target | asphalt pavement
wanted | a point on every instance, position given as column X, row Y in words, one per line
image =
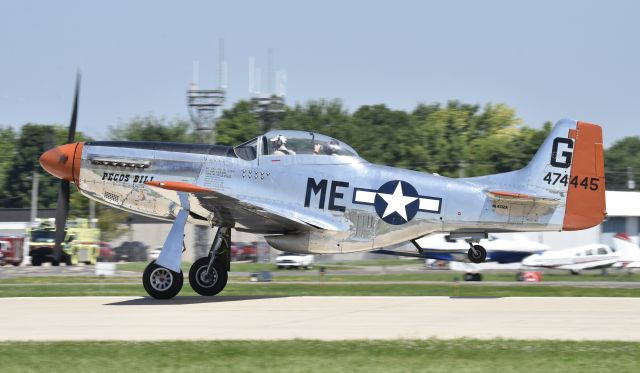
column 324, row 318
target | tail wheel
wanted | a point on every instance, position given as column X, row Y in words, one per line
column 478, row 254
column 204, row 283
column 161, row 282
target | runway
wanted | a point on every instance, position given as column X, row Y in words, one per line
column 324, row 318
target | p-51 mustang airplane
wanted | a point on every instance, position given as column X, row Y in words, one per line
column 310, row 193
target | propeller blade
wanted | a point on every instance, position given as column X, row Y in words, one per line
column 62, row 211
column 62, row 208
column 74, row 115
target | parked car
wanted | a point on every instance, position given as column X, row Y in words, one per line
column 155, row 253
column 107, row 254
column 244, row 251
column 131, row 251
column 294, row 260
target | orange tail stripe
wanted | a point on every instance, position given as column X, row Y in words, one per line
column 585, row 197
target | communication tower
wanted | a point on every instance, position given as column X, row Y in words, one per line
column 203, row 104
column 267, row 107
column 203, row 107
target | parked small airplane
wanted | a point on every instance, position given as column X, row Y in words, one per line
column 628, row 251
column 310, row 193
column 576, row 259
column 500, row 250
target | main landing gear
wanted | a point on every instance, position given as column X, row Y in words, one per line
column 476, row 253
column 207, row 276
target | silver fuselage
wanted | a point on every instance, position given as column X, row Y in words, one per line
column 114, row 173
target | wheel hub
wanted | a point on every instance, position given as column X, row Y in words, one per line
column 206, row 279
column 161, row 279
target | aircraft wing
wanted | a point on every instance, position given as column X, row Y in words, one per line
column 247, row 214
column 627, row 264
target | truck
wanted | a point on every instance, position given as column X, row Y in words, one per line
column 81, row 242
column 11, row 248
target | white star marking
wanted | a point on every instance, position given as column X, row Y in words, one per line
column 397, row 202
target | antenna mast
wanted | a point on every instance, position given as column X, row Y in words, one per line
column 266, row 106
column 203, row 107
column 203, row 104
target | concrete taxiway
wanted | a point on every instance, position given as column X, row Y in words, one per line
column 325, row 318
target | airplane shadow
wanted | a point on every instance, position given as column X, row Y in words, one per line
column 148, row 301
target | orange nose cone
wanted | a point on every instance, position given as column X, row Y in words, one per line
column 61, row 161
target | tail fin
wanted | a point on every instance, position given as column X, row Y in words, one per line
column 570, row 164
column 627, row 250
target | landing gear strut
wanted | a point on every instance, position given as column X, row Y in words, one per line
column 476, row 253
column 162, row 279
column 208, row 275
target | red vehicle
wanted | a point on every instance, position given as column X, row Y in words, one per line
column 11, row 250
column 107, row 254
column 241, row 251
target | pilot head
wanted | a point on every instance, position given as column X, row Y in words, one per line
column 279, row 141
column 332, row 147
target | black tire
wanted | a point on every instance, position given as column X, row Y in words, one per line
column 161, row 282
column 66, row 259
column 468, row 276
column 36, row 261
column 479, row 256
column 477, row 277
column 201, row 283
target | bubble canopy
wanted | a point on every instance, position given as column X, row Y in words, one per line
column 290, row 142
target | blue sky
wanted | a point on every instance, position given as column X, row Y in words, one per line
column 547, row 59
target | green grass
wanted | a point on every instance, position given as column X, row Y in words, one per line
column 453, row 276
column 257, row 267
column 133, row 287
column 460, row 355
column 140, row 266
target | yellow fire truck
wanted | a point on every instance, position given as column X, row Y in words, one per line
column 81, row 242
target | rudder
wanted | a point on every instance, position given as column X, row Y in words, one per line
column 585, row 206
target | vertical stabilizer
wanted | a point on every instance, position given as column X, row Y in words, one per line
column 569, row 166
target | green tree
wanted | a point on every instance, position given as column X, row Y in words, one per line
column 444, row 134
column 623, row 156
column 151, row 128
column 323, row 116
column 33, row 140
column 237, row 125
column 382, row 135
column 7, row 146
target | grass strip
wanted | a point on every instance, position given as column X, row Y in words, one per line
column 459, row 355
column 319, row 289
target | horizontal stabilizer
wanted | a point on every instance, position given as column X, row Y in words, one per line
column 513, row 197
